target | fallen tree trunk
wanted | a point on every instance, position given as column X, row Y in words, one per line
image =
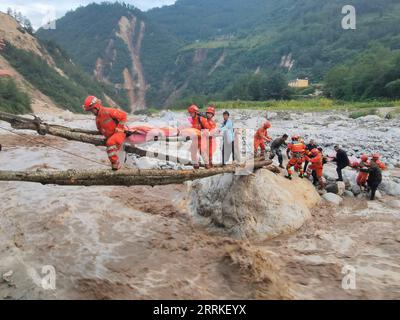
column 124, row 177
column 85, row 136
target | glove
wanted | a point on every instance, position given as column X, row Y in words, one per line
column 120, row 130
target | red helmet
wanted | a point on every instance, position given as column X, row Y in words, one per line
column 267, row 125
column 296, row 137
column 91, row 102
column 193, row 109
column 364, row 157
column 376, row 156
column 211, row 110
column 315, row 151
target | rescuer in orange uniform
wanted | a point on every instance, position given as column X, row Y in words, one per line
column 210, row 144
column 376, row 160
column 364, row 170
column 317, row 165
column 200, row 123
column 260, row 137
column 112, row 125
column 296, row 153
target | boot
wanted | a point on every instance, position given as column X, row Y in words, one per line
column 116, row 166
column 196, row 167
column 289, row 176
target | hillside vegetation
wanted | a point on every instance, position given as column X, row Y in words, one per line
column 13, row 100
column 206, row 48
column 67, row 88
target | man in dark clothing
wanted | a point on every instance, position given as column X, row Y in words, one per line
column 342, row 161
column 276, row 149
column 374, row 178
column 310, row 146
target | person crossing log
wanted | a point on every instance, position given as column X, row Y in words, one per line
column 85, row 136
column 132, row 177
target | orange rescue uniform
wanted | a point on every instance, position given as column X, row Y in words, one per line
column 363, row 175
column 297, row 159
column 316, row 164
column 201, row 123
column 112, row 125
column 259, row 139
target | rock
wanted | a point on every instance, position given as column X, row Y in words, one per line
column 67, row 115
column 390, row 166
column 332, row 188
column 370, row 118
column 335, row 117
column 262, row 205
column 356, row 190
column 378, row 195
column 7, row 276
column 348, row 194
column 390, row 187
column 350, row 177
column 337, row 188
column 330, row 172
column 284, row 116
column 341, row 187
column 394, row 131
column 146, row 163
column 332, row 198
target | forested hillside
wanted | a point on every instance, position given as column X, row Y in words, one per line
column 42, row 71
column 206, row 48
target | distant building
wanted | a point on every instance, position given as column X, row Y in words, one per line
column 299, row 83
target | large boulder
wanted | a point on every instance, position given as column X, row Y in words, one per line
column 337, row 188
column 356, row 190
column 390, row 187
column 349, row 194
column 330, row 172
column 333, row 198
column 262, row 205
column 350, row 177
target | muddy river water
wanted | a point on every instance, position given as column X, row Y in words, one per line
column 140, row 243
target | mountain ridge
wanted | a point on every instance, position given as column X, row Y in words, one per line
column 202, row 48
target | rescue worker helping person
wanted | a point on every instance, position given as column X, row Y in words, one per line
column 296, row 154
column 112, row 125
column 260, row 137
column 205, row 144
column 363, row 167
column 316, row 164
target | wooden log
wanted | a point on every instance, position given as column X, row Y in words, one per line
column 85, row 136
column 132, row 177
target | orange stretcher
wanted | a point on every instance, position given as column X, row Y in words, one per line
column 145, row 133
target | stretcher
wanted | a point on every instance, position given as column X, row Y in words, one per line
column 145, row 133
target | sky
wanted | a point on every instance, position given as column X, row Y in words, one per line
column 39, row 12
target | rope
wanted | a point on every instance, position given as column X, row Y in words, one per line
column 50, row 146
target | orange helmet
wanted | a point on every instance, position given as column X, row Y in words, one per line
column 193, row 109
column 315, row 152
column 267, row 125
column 91, row 102
column 296, row 137
column 211, row 110
column 364, row 157
column 376, row 156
